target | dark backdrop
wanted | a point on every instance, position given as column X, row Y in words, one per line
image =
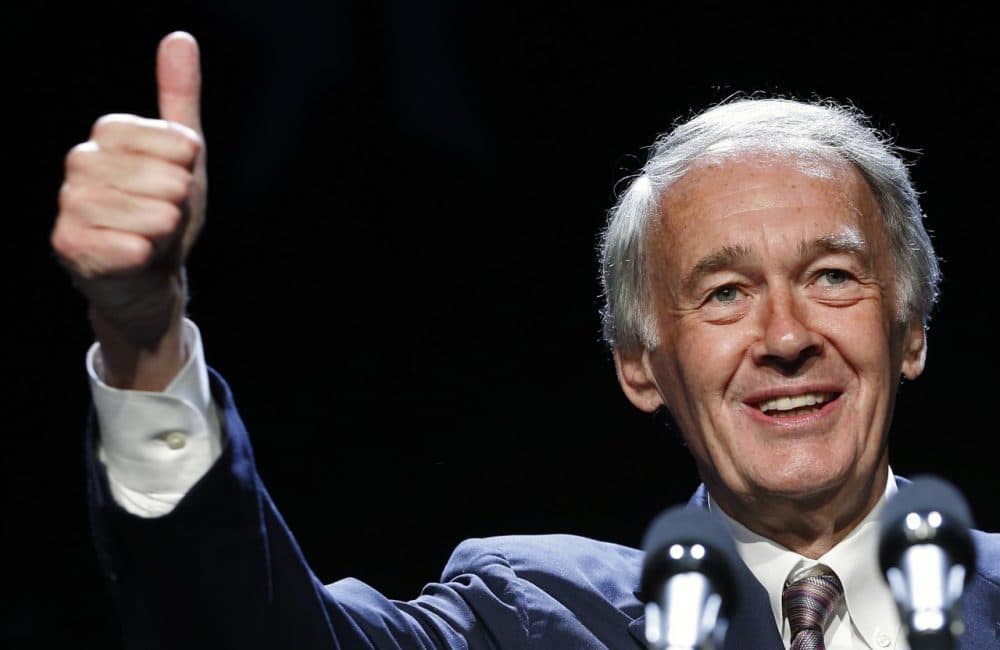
column 398, row 275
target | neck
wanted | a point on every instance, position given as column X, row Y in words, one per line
column 808, row 525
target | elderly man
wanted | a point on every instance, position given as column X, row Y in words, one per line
column 768, row 280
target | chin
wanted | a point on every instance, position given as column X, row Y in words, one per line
column 802, row 480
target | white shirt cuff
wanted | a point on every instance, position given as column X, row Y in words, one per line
column 155, row 446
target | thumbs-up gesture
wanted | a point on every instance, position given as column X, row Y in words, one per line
column 130, row 209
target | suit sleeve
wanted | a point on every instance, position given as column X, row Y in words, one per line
column 222, row 570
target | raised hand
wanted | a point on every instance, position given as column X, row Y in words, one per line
column 130, row 209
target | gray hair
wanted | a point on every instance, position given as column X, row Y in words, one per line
column 787, row 129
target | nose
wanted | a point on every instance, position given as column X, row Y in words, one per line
column 787, row 338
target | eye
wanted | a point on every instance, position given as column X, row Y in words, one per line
column 728, row 293
column 831, row 277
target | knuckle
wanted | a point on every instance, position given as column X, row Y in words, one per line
column 59, row 240
column 66, row 243
column 106, row 123
column 165, row 220
column 81, row 156
column 72, row 195
column 133, row 254
column 183, row 185
column 189, row 144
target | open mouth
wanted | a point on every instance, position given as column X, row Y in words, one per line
column 791, row 405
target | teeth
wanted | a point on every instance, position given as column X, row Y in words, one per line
column 795, row 402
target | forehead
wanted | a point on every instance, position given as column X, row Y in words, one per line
column 759, row 202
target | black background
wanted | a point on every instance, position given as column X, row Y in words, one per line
column 398, row 273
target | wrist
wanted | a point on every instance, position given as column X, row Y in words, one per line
column 145, row 350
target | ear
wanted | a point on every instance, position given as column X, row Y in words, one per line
column 914, row 349
column 636, row 378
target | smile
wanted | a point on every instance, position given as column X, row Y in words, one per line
column 791, row 405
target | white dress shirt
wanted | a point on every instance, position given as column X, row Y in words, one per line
column 867, row 617
column 155, row 447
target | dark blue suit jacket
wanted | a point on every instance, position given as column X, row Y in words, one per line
column 223, row 571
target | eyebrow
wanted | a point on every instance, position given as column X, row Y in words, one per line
column 724, row 258
column 848, row 243
column 728, row 256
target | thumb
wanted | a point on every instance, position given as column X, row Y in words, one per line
column 178, row 80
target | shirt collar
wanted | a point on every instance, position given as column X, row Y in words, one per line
column 854, row 559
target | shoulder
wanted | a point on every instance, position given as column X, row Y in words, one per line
column 555, row 564
column 547, row 550
column 982, row 596
column 987, row 556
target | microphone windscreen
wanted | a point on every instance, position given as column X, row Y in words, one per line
column 924, row 495
column 688, row 526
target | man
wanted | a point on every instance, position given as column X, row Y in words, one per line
column 768, row 280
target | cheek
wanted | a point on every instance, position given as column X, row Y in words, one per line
column 733, row 344
column 862, row 338
column 709, row 355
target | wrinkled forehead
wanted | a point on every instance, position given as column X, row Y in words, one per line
column 734, row 184
column 754, row 201
column 718, row 170
column 807, row 155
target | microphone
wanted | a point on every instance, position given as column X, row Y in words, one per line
column 927, row 557
column 688, row 581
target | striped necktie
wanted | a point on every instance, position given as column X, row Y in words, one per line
column 809, row 603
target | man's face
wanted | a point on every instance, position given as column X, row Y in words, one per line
column 779, row 348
